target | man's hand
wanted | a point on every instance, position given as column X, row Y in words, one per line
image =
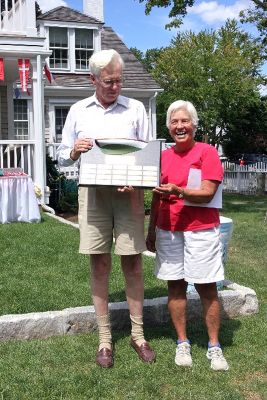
column 125, row 189
column 151, row 240
column 81, row 145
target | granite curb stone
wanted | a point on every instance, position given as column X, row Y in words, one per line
column 235, row 301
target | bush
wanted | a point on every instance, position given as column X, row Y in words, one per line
column 147, row 200
column 64, row 192
column 68, row 200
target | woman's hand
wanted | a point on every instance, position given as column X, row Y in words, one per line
column 169, row 188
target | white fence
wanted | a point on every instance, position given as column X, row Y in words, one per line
column 246, row 179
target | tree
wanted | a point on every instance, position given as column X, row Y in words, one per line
column 218, row 71
column 179, row 8
column 38, row 11
column 257, row 15
column 177, row 12
column 149, row 58
column 248, row 134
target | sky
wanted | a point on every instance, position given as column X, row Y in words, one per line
column 127, row 18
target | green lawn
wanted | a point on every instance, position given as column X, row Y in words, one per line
column 42, row 270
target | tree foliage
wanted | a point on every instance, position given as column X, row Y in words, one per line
column 257, row 15
column 149, row 58
column 218, row 71
column 38, row 10
column 177, row 12
column 179, row 8
column 249, row 134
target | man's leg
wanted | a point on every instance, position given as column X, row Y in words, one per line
column 134, row 288
column 177, row 302
column 100, row 271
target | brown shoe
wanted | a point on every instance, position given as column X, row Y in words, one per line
column 104, row 358
column 144, row 351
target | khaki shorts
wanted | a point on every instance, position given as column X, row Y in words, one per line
column 194, row 256
column 105, row 213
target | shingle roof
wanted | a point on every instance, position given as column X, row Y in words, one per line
column 67, row 14
column 135, row 75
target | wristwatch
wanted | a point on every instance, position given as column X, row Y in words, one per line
column 181, row 195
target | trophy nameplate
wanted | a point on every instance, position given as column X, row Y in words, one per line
column 121, row 162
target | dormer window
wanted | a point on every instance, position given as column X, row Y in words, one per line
column 58, row 38
column 84, row 47
column 71, row 48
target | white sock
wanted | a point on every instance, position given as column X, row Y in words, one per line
column 137, row 329
column 105, row 339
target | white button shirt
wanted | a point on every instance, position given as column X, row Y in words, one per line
column 125, row 119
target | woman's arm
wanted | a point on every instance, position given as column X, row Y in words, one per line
column 204, row 194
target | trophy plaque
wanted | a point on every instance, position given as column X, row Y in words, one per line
column 122, row 162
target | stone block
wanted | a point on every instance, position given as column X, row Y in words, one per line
column 235, row 301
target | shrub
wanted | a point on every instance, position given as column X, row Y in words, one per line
column 147, row 200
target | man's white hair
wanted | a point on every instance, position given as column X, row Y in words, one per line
column 102, row 59
column 182, row 105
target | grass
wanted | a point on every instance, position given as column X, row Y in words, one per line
column 42, row 270
column 47, row 264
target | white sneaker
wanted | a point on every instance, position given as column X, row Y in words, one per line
column 218, row 362
column 183, row 355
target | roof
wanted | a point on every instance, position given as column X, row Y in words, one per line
column 66, row 14
column 135, row 75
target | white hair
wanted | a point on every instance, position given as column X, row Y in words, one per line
column 184, row 105
column 101, row 59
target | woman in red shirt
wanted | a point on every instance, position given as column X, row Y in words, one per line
column 184, row 229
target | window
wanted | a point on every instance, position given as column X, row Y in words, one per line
column 83, row 48
column 71, row 48
column 21, row 119
column 61, row 115
column 58, row 43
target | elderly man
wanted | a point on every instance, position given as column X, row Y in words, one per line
column 107, row 212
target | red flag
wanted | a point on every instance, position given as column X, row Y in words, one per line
column 24, row 66
column 48, row 73
column 2, row 71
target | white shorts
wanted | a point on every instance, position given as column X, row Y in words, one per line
column 195, row 256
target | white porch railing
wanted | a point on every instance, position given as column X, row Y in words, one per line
column 18, row 17
column 17, row 154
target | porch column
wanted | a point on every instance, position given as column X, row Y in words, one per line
column 29, row 18
column 39, row 161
